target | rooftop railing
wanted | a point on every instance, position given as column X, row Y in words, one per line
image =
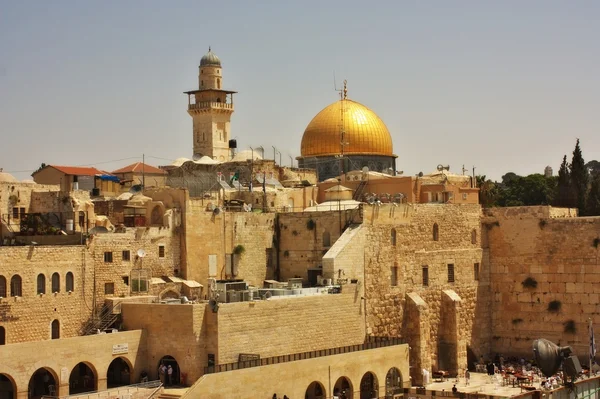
column 210, row 104
column 372, row 343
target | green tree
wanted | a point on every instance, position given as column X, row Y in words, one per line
column 535, row 189
column 488, row 191
column 564, row 197
column 593, row 201
column 579, row 179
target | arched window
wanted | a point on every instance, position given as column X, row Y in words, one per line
column 69, row 282
column 326, row 239
column 55, row 282
column 394, row 237
column 15, row 286
column 201, row 83
column 55, row 329
column 474, row 237
column 2, row 286
column 218, row 83
column 436, row 232
column 41, row 284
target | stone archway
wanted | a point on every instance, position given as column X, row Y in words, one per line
column 8, row 389
column 343, row 388
column 369, row 387
column 82, row 379
column 43, row 382
column 393, row 383
column 119, row 373
column 156, row 216
column 167, row 361
column 315, row 390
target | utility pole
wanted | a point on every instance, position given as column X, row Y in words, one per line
column 143, row 174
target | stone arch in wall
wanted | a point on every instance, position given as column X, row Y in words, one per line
column 369, row 386
column 315, row 390
column 169, row 361
column 169, row 293
column 393, row 382
column 156, row 216
column 343, row 388
column 83, row 378
column 43, row 382
column 55, row 282
column 41, row 284
column 8, row 388
column 119, row 372
column 55, row 329
column 16, row 288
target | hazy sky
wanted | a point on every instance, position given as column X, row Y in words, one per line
column 499, row 85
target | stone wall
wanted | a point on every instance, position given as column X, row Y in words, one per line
column 291, row 325
column 293, row 378
column 558, row 253
column 458, row 243
column 60, row 357
column 28, row 317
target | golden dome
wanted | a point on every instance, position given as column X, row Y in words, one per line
column 365, row 132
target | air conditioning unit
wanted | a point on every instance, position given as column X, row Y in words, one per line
column 294, row 283
column 234, row 296
column 327, row 281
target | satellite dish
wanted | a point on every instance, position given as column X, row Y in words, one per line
column 141, row 253
column 268, row 295
column 136, row 189
column 550, row 356
column 365, row 169
column 196, row 157
column 216, row 211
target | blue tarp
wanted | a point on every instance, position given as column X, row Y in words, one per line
column 110, row 178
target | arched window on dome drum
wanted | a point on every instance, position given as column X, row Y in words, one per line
column 436, row 232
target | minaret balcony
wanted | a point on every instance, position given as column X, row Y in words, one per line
column 210, row 105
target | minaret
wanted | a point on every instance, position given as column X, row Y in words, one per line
column 210, row 108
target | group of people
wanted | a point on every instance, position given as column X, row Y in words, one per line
column 276, row 397
column 165, row 371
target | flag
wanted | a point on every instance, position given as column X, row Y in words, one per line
column 592, row 343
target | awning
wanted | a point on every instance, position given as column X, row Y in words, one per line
column 175, row 279
column 192, row 284
column 156, row 280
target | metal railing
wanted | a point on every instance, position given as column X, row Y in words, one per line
column 124, row 391
column 210, row 104
column 108, row 315
column 372, row 343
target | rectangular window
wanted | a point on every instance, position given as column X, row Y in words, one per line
column 394, row 276
column 22, row 212
column 450, row 272
column 161, row 251
column 476, row 271
column 108, row 257
column 126, row 255
column 425, row 276
column 109, row 288
column 15, row 213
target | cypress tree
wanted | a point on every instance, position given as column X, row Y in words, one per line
column 563, row 196
column 593, row 202
column 579, row 179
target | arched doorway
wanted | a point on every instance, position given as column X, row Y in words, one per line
column 119, row 373
column 82, row 379
column 43, row 382
column 343, row 388
column 393, row 383
column 368, row 386
column 169, row 361
column 315, row 391
column 7, row 387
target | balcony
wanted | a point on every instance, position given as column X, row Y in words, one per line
column 209, row 105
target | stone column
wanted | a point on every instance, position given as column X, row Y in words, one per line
column 416, row 330
column 102, row 384
column 452, row 353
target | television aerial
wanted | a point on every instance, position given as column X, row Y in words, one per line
column 550, row 357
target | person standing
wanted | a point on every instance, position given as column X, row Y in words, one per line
column 170, row 374
column 467, row 377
